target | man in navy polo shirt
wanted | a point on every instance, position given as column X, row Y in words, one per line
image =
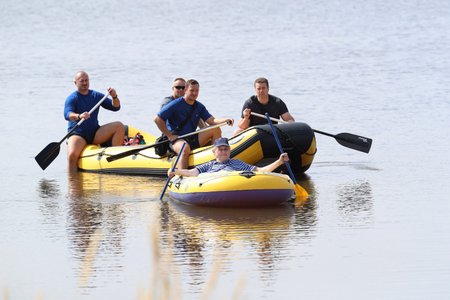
column 77, row 107
column 181, row 117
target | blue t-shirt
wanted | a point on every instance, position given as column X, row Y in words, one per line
column 178, row 110
column 79, row 103
column 229, row 165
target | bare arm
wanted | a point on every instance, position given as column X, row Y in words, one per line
column 244, row 123
column 183, row 172
column 216, row 121
column 202, row 124
column 162, row 126
column 287, row 117
column 75, row 117
column 115, row 98
column 269, row 168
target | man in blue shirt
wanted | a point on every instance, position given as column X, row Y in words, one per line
column 77, row 107
column 181, row 116
column 178, row 89
column 223, row 162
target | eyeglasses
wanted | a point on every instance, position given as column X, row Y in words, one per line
column 179, row 87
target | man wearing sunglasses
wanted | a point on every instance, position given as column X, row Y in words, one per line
column 262, row 103
column 181, row 117
column 178, row 87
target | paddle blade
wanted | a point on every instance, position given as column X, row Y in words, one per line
column 353, row 141
column 132, row 151
column 300, row 193
column 47, row 155
column 123, row 154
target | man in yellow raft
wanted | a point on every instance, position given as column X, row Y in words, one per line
column 222, row 152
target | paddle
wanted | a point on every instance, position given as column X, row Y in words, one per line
column 49, row 153
column 300, row 193
column 137, row 150
column 348, row 140
column 173, row 169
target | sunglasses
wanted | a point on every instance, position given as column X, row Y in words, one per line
column 179, row 87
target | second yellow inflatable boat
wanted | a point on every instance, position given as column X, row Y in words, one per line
column 255, row 146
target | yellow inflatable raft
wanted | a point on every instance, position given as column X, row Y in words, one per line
column 255, row 145
column 233, row 189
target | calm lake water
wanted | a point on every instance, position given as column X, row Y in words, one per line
column 376, row 225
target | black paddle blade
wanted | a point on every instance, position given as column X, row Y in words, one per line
column 133, row 151
column 47, row 155
column 123, row 154
column 352, row 141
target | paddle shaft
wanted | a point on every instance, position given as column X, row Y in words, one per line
column 284, row 122
column 348, row 140
column 173, row 169
column 137, row 150
column 82, row 120
column 288, row 165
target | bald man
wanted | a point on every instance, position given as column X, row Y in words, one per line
column 77, row 107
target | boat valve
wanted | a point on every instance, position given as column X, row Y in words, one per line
column 247, row 174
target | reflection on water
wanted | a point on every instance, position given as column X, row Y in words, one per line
column 88, row 213
column 351, row 164
column 112, row 187
column 97, row 210
column 97, row 213
column 306, row 213
column 355, row 202
column 197, row 236
column 197, row 232
column 48, row 189
column 100, row 202
column 49, row 192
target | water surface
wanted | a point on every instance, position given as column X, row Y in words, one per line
column 375, row 226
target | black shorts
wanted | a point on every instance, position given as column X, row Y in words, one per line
column 192, row 141
column 88, row 139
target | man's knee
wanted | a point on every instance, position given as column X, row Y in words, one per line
column 119, row 127
column 72, row 155
column 186, row 150
column 209, row 136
